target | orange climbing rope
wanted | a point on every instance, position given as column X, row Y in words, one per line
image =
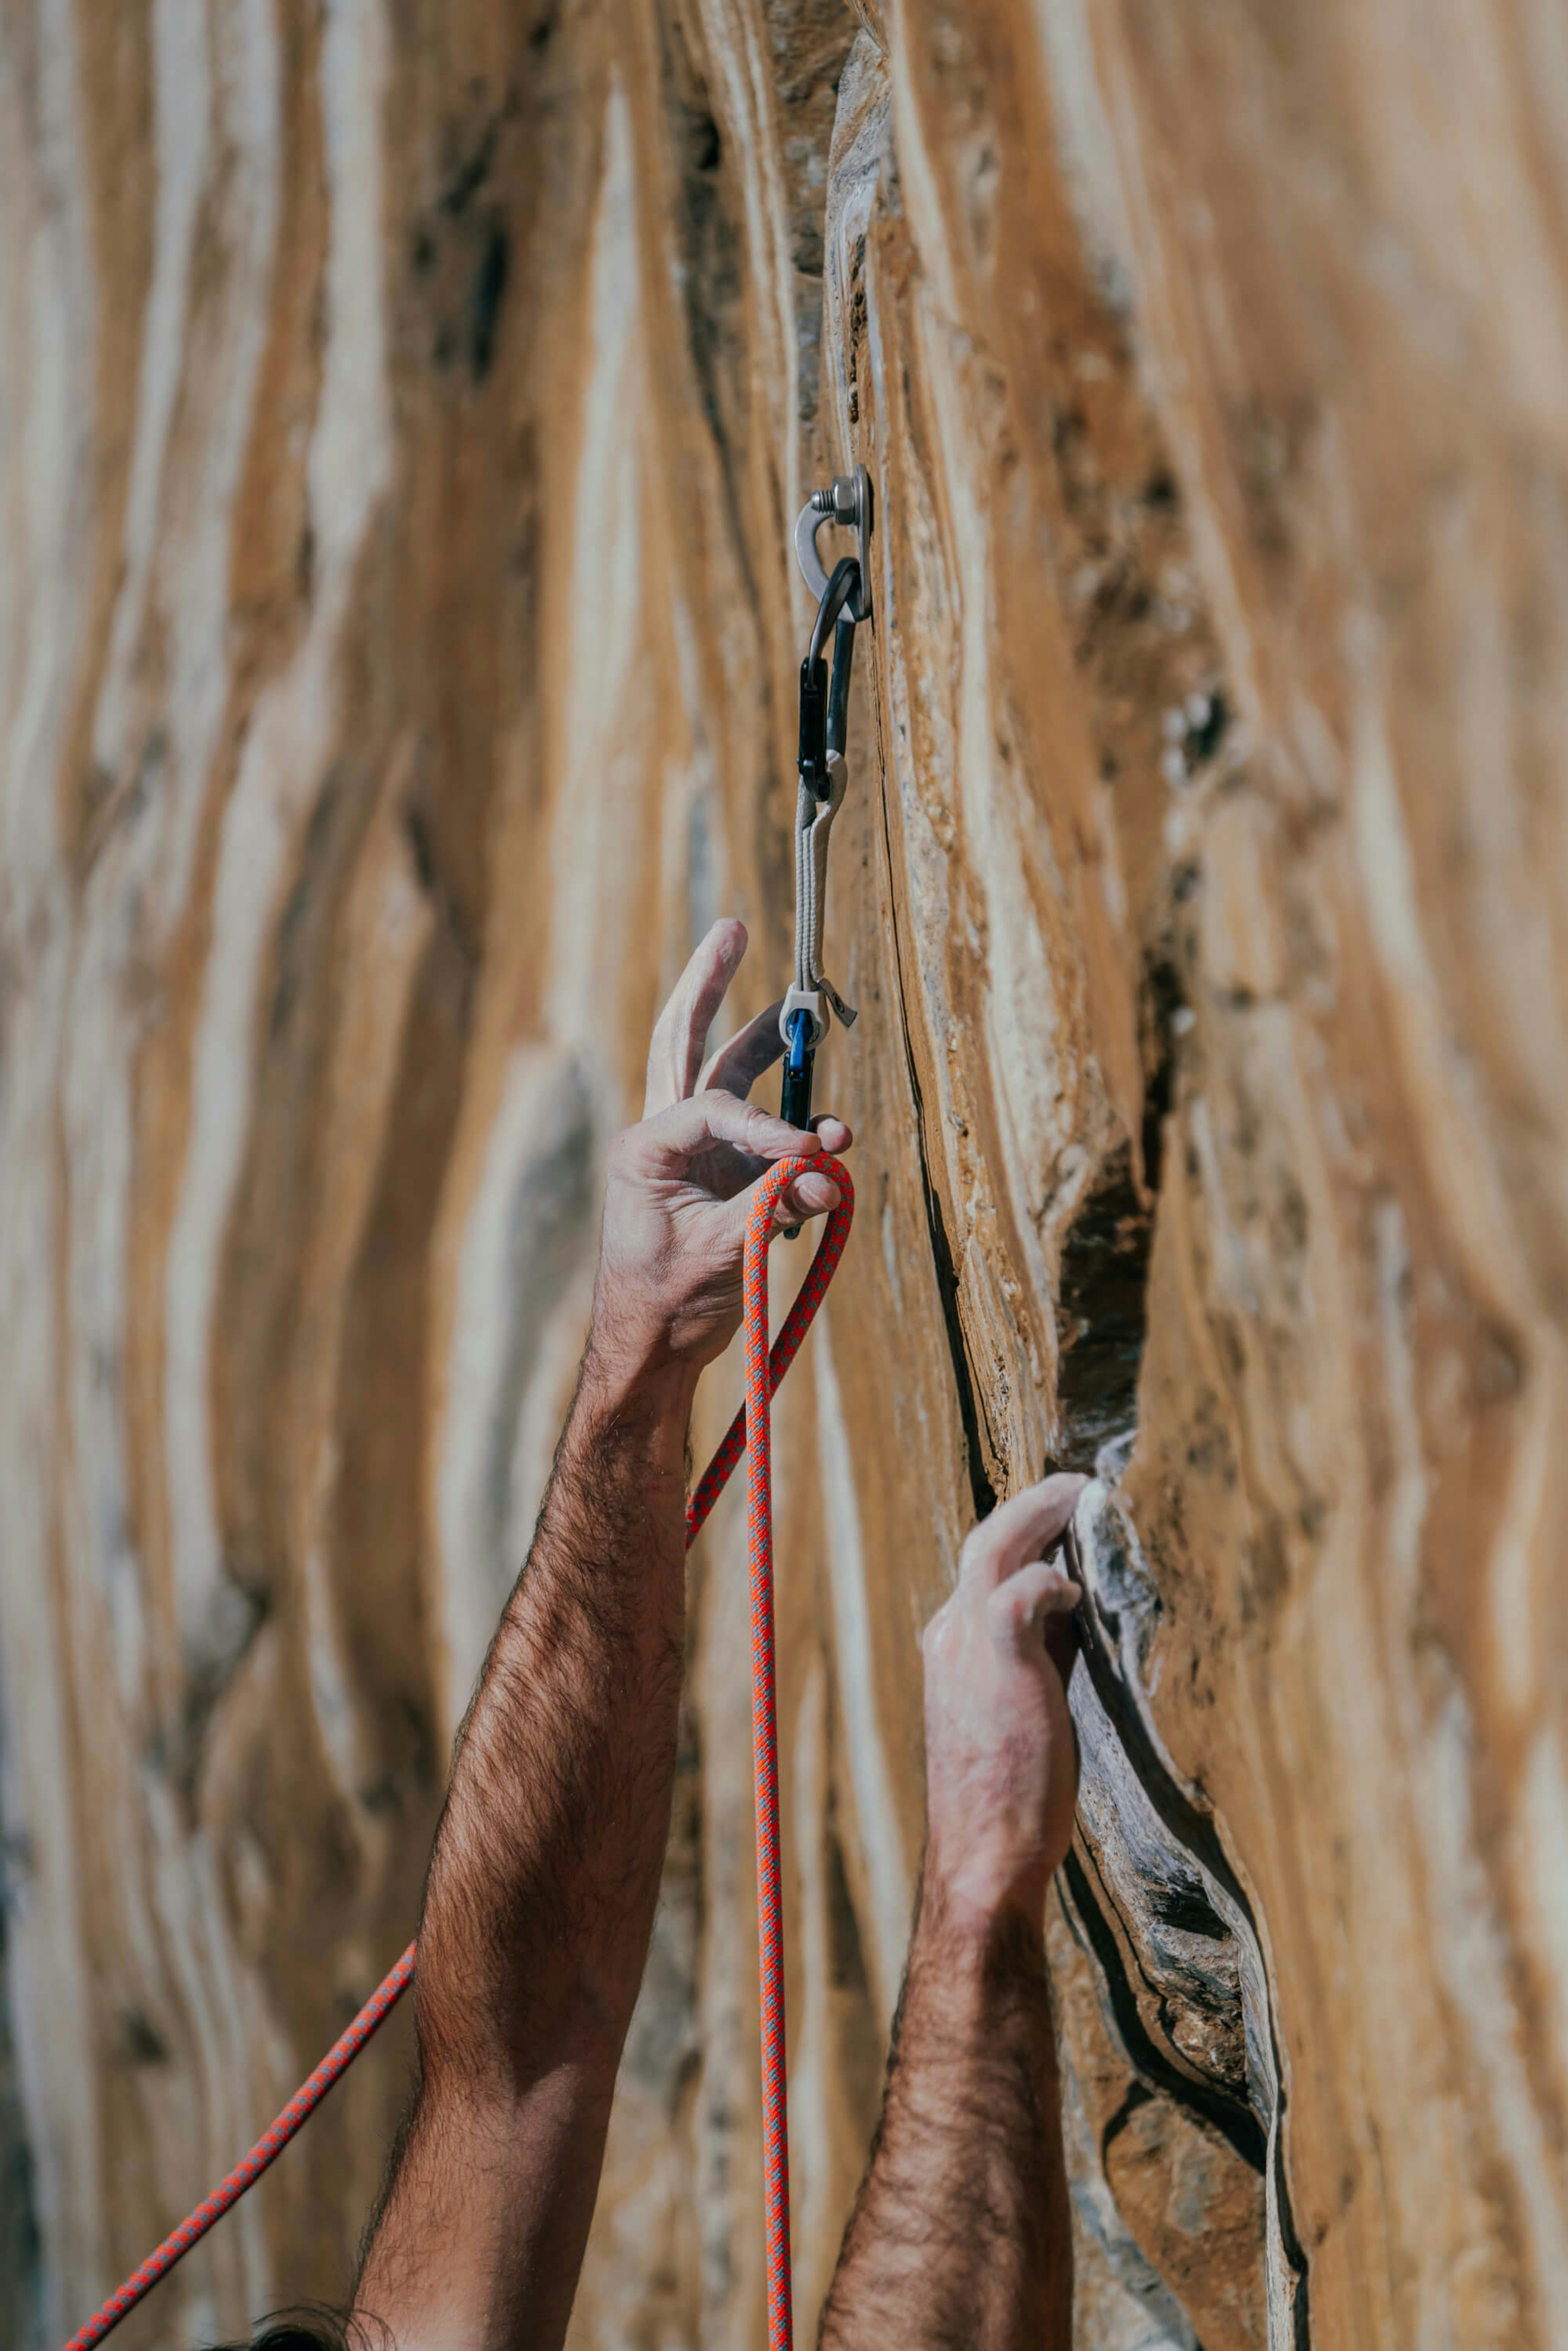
column 751, row 1430
column 748, row 1433
column 248, row 2170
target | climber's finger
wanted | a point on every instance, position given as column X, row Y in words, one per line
column 736, row 1067
column 680, row 1033
column 1018, row 1605
column 1062, row 1632
column 808, row 1195
column 1020, row 1531
column 677, row 1134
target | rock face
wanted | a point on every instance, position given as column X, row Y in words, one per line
column 404, row 409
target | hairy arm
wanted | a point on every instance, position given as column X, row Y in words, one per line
column 961, row 2233
column 541, row 1890
column 545, row 1875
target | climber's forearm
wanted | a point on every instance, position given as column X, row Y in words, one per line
column 961, row 2231
column 545, row 1870
column 543, row 1884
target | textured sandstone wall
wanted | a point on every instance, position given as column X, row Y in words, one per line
column 403, row 404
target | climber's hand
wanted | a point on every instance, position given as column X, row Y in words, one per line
column 678, row 1185
column 1001, row 1761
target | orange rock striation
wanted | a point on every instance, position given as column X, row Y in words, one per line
column 402, row 416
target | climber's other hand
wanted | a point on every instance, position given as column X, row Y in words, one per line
column 678, row 1185
column 1001, row 1761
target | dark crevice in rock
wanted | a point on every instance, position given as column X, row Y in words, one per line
column 489, row 290
column 1164, row 1001
column 1188, row 1828
column 1235, row 2121
column 1138, row 2094
column 983, row 1494
column 1148, row 1892
column 1158, row 1855
column 1103, row 1284
column 1100, row 1313
column 21, row 2246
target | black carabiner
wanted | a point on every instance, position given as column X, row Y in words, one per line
column 835, row 734
column 824, row 716
column 824, row 707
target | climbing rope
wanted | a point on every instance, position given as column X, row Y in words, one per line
column 751, row 1431
column 246, row 2173
column 748, row 1433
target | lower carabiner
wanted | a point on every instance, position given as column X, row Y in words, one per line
column 795, row 1103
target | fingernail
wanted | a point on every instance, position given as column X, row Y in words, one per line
column 813, row 1196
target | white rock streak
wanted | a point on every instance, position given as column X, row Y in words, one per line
column 47, row 319
column 475, row 1569
column 601, row 781
column 552, row 1091
column 216, row 130
column 286, row 750
column 280, row 772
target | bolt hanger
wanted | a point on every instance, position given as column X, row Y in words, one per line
column 848, row 502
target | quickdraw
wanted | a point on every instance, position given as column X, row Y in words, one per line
column 843, row 601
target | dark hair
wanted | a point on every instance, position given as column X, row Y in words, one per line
column 304, row 2332
column 311, row 2327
